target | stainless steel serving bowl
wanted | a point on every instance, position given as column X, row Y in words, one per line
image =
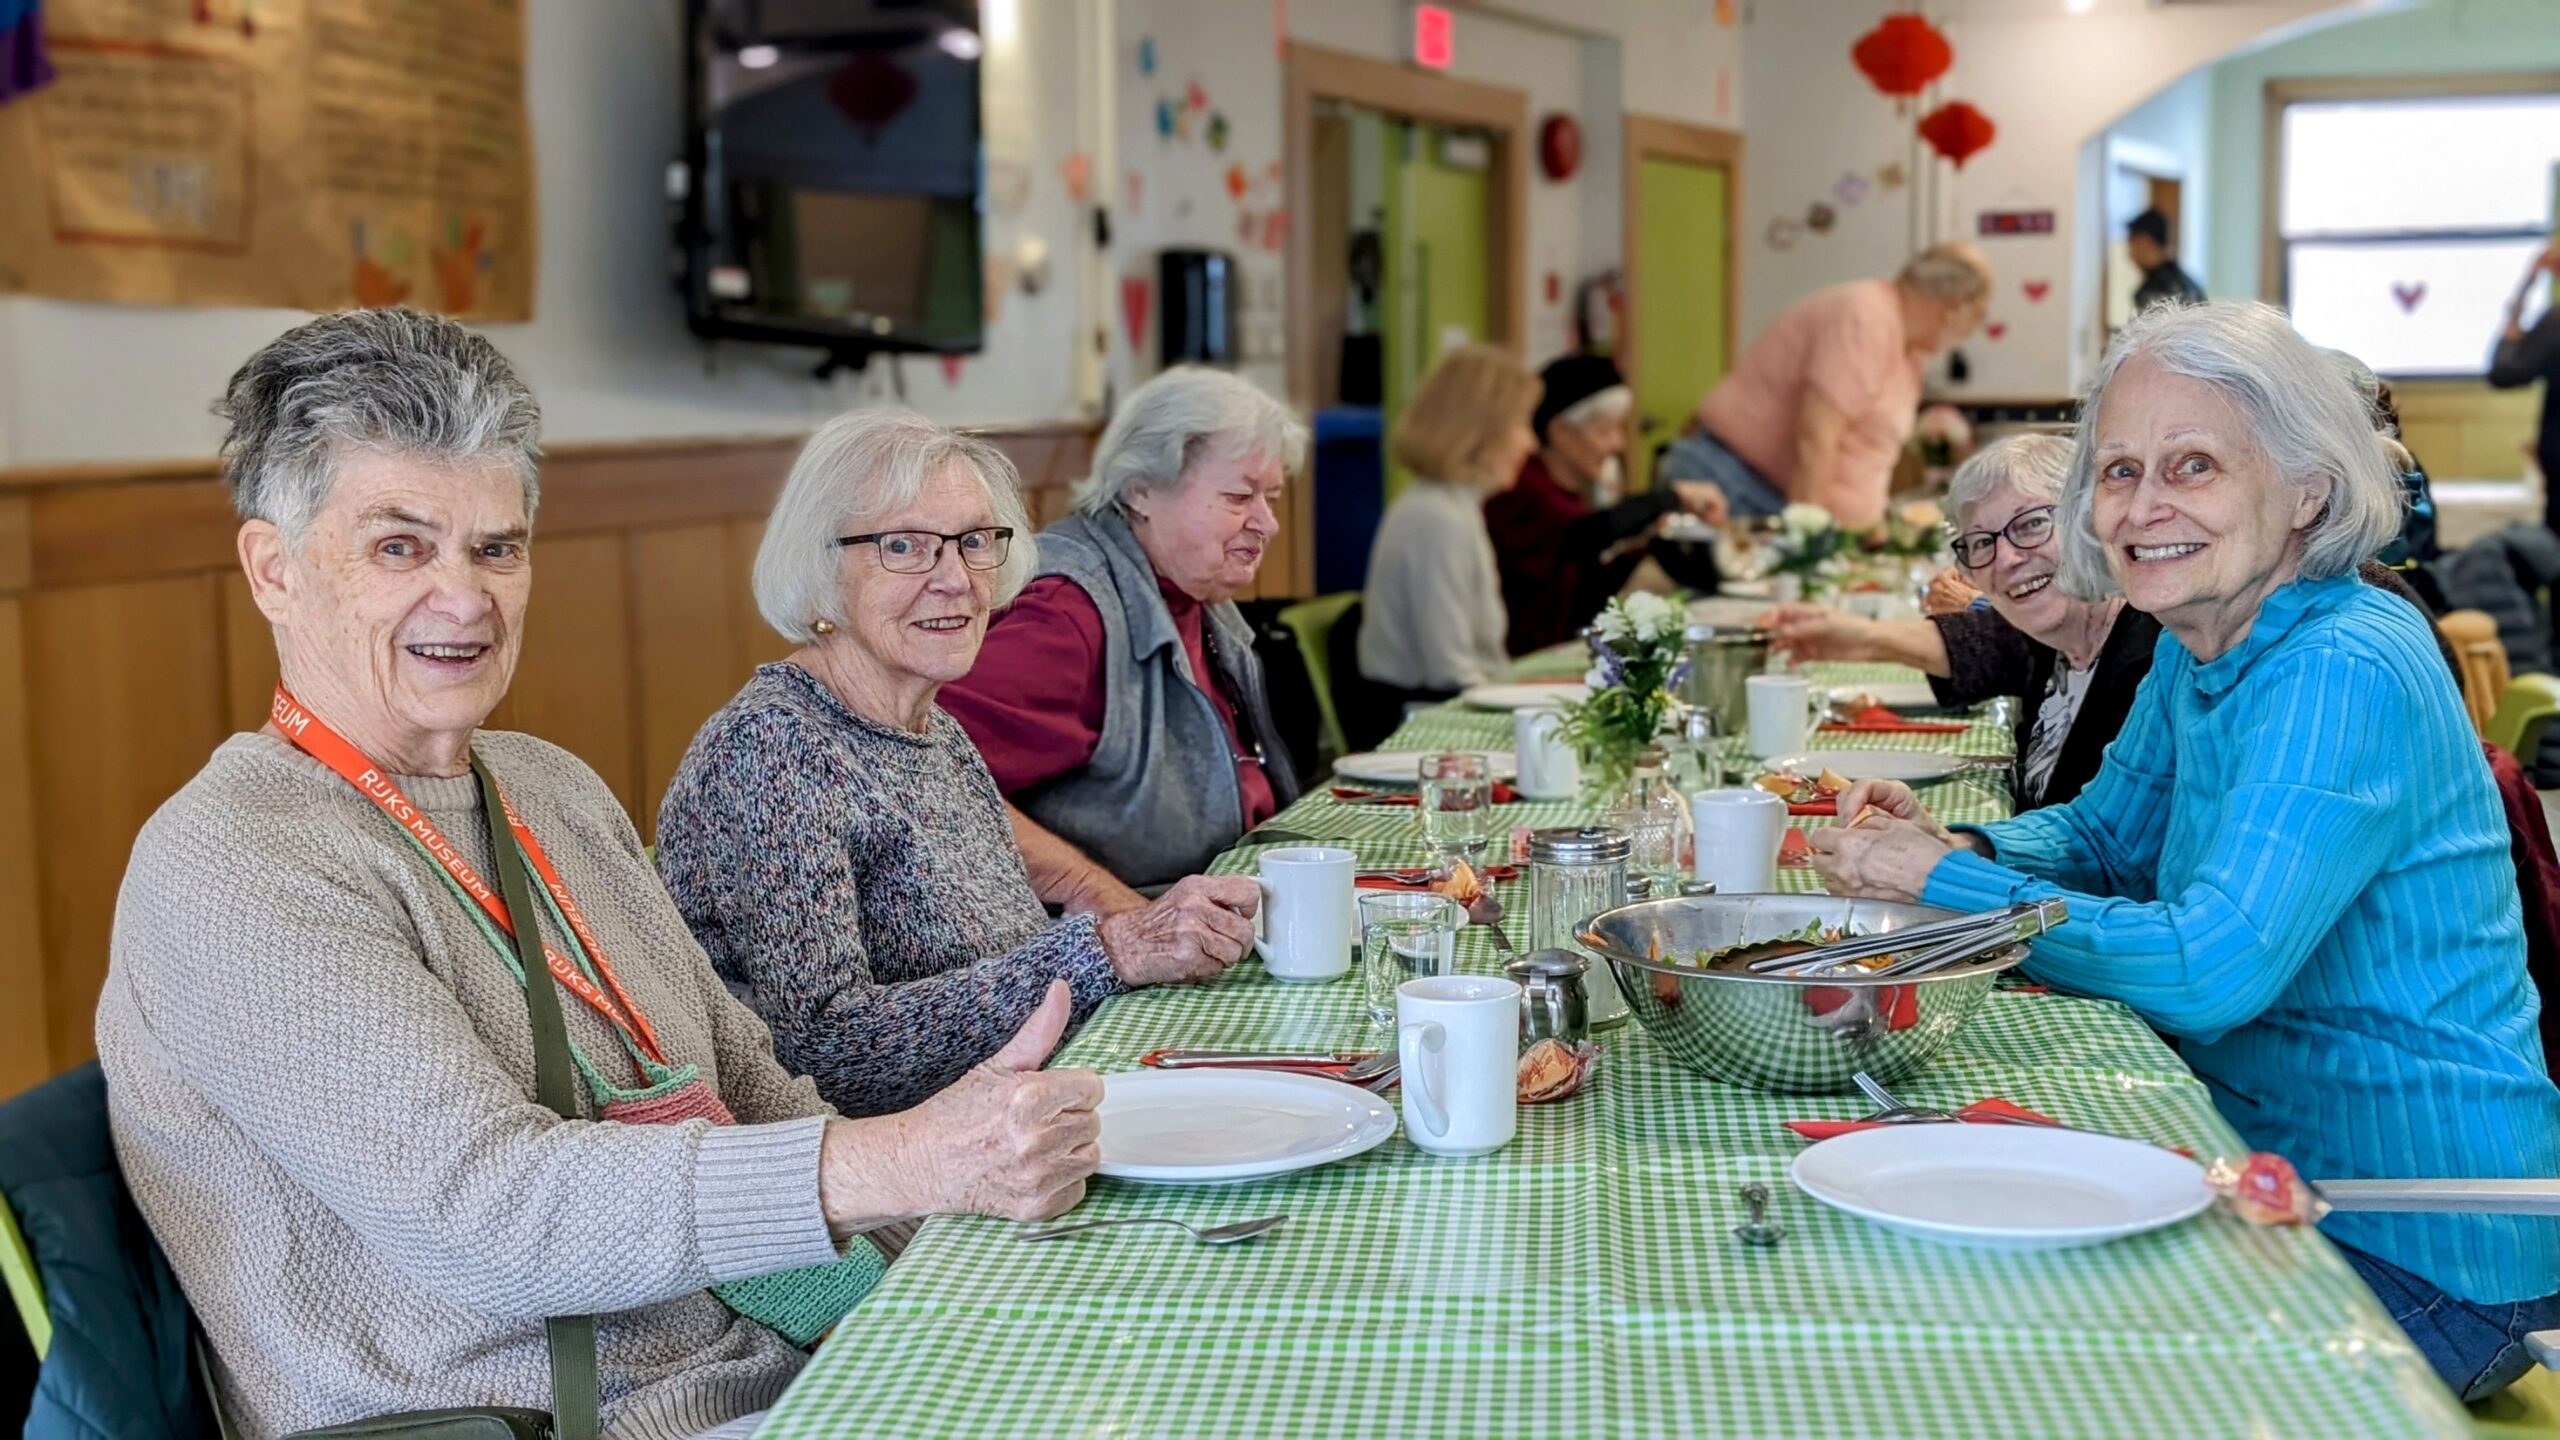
column 1772, row 1032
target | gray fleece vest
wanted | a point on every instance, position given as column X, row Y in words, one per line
column 1159, row 799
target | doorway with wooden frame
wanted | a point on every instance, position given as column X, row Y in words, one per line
column 1426, row 178
column 1679, row 298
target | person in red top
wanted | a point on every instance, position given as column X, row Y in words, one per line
column 1119, row 702
column 1562, row 547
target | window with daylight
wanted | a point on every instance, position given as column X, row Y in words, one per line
column 2406, row 223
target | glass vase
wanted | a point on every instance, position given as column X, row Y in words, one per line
column 1649, row 808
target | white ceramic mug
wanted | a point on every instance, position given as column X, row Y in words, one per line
column 1458, row 1043
column 1739, row 832
column 1304, row 928
column 1781, row 713
column 1549, row 769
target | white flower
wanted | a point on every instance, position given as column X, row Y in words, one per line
column 1652, row 617
column 1597, row 677
column 1612, row 624
column 1802, row 519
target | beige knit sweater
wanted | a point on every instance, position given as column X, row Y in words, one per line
column 321, row 1079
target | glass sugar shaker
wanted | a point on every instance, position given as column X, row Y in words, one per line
column 1576, row 872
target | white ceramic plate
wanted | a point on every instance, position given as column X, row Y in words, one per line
column 1892, row 694
column 1205, row 1126
column 1525, row 697
column 1761, row 589
column 1911, row 767
column 1404, row 767
column 2010, row 1187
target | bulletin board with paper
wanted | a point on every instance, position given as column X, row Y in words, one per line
column 318, row 154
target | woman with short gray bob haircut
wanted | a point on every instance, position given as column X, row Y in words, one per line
column 855, row 469
column 2315, row 430
column 2294, row 857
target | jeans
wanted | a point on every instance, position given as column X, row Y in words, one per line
column 2478, row 1350
column 1701, row 456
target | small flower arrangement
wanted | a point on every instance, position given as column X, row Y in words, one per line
column 1942, row 436
column 1808, row 540
column 1916, row 528
column 1637, row 659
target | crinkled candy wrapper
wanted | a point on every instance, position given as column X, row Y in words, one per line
column 1549, row 1070
column 2264, row 1190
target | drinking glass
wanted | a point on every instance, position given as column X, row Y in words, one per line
column 1457, row 804
column 1404, row 936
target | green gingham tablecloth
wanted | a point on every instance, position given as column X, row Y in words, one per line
column 1584, row 1281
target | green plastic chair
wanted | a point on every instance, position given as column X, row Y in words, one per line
column 2527, row 1410
column 26, row 1287
column 2525, row 709
column 1312, row 622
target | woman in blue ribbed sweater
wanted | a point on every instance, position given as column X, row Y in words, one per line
column 2293, row 858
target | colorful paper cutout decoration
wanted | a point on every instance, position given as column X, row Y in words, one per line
column 1554, row 287
column 1147, row 55
column 951, row 370
column 1958, row 131
column 1137, row 185
column 1559, row 146
column 1724, row 13
column 1077, row 170
column 1247, row 227
column 1274, row 172
column 1182, row 122
column 2037, row 290
column 1195, row 97
column 1275, row 228
column 1819, row 218
column 1889, row 175
column 1781, row 234
column 1217, row 131
column 1996, row 329
column 2410, row 296
column 1137, row 296
column 1237, row 182
column 1849, row 189
column 1901, row 56
column 1164, row 119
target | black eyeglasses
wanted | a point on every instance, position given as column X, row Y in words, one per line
column 2027, row 530
column 913, row 552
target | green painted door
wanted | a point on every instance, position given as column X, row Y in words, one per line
column 1438, row 264
column 1680, row 300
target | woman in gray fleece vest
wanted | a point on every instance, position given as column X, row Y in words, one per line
column 833, row 837
column 320, row 1068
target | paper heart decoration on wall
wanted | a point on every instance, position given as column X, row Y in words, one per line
column 951, row 370
column 1889, row 175
column 1077, row 171
column 1237, row 182
column 1849, row 189
column 1137, row 297
column 1995, row 329
column 2037, row 290
column 2410, row 296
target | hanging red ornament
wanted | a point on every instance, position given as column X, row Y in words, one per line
column 1901, row 56
column 1559, row 146
column 1957, row 131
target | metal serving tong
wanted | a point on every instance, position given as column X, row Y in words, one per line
column 1923, row 948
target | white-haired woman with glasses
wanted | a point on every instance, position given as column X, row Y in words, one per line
column 833, row 837
column 2293, row 857
column 2073, row 663
column 1119, row 701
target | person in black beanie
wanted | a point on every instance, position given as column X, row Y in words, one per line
column 1563, row 547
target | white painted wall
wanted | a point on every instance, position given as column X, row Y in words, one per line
column 2438, row 37
column 2049, row 79
column 607, row 351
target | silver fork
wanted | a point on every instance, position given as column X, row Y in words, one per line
column 1894, row 1112
column 1227, row 1234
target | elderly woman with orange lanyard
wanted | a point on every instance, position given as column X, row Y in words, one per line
column 318, row 1035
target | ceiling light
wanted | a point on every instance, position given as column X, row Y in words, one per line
column 961, row 44
column 759, row 57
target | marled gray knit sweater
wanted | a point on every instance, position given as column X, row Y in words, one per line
column 321, row 1079
column 861, row 887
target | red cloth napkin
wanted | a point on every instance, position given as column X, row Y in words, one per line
column 1825, row 1129
column 1502, row 795
column 1827, row 805
column 1388, row 882
column 1877, row 720
column 1794, row 850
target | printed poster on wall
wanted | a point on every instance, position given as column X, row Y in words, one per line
column 317, row 154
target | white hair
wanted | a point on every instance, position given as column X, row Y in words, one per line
column 1176, row 420
column 855, row 470
column 2299, row 408
column 395, row 381
column 1606, row 404
column 2033, row 465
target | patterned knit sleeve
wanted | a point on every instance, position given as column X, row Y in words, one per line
column 765, row 843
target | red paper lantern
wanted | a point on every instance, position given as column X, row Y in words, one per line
column 1957, row 131
column 1560, row 147
column 1902, row 55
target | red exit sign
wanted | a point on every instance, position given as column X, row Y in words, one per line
column 1435, row 36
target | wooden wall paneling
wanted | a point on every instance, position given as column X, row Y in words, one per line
column 573, row 684
column 686, row 591
column 754, row 642
column 26, row 1031
column 248, row 654
column 125, row 686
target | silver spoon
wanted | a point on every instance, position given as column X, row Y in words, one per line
column 1758, row 1230
column 1213, row 1235
column 1894, row 1112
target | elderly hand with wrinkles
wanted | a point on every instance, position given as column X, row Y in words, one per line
column 1887, row 848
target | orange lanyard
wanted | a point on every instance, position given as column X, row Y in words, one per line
column 314, row 737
